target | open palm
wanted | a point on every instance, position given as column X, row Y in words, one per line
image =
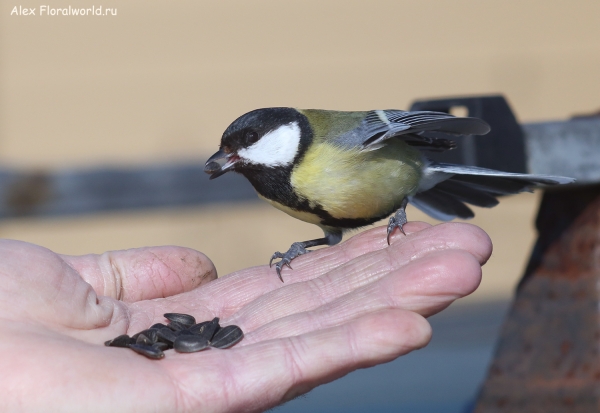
column 350, row 306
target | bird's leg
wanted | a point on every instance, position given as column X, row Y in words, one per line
column 397, row 220
column 300, row 248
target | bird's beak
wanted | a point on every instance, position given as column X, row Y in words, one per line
column 215, row 170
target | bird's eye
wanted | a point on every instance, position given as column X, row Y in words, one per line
column 251, row 136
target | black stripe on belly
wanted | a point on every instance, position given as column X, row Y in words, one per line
column 351, row 223
column 274, row 184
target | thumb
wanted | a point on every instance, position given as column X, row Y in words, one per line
column 144, row 273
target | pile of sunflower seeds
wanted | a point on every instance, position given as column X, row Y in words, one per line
column 182, row 334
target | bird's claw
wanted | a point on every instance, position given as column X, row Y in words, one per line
column 295, row 250
column 280, row 265
column 396, row 221
column 276, row 255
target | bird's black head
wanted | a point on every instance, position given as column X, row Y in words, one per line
column 263, row 138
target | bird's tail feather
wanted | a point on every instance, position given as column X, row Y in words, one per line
column 475, row 186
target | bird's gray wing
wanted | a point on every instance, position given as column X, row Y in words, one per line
column 379, row 125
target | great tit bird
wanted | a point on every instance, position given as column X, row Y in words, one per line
column 345, row 170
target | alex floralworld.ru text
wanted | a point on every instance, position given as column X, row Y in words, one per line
column 45, row 10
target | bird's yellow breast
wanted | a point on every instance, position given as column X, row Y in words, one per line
column 357, row 184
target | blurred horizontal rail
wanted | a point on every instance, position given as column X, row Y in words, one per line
column 75, row 192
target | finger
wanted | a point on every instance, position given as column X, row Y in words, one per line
column 265, row 374
column 425, row 286
column 144, row 273
column 265, row 292
column 51, row 372
column 36, row 284
column 258, row 296
column 321, row 261
column 244, row 286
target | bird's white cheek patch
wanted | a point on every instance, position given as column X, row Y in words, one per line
column 276, row 148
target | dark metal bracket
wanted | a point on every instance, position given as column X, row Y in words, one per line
column 502, row 149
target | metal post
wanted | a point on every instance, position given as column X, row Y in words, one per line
column 547, row 357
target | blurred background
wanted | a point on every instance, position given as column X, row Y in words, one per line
column 160, row 81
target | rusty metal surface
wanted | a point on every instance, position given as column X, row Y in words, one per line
column 547, row 358
column 558, row 210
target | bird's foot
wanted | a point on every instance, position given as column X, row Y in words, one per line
column 295, row 250
column 397, row 221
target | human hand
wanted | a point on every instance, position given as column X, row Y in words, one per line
column 353, row 305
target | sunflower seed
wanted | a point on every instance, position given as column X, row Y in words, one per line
column 198, row 328
column 148, row 351
column 210, row 329
column 211, row 167
column 166, row 335
column 142, row 339
column 177, row 326
column 150, row 333
column 182, row 334
column 190, row 344
column 161, row 346
column 120, row 341
column 185, row 319
column 227, row 337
